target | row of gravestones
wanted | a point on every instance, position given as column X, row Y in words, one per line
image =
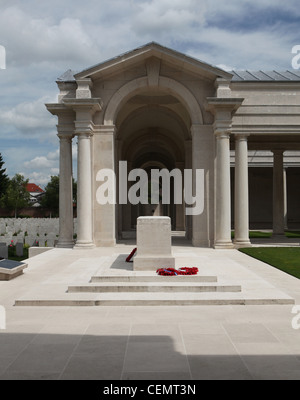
column 4, row 250
column 32, row 232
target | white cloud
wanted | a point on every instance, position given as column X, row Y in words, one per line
column 44, row 39
column 30, row 40
column 29, row 117
column 40, row 163
column 159, row 16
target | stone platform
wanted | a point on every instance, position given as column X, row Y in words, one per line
column 101, row 277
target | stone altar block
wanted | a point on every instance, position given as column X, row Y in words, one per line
column 154, row 246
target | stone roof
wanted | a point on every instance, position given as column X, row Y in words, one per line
column 238, row 76
column 265, row 76
column 68, row 76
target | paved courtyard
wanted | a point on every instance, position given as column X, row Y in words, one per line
column 148, row 342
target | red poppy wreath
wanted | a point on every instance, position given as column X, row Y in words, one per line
column 175, row 272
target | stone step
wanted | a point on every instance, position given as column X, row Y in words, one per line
column 153, row 299
column 177, row 287
column 153, row 278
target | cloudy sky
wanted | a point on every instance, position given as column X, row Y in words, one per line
column 43, row 39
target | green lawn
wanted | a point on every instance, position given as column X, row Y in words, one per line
column 267, row 235
column 286, row 259
column 12, row 254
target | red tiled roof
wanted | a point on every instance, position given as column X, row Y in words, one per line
column 33, row 188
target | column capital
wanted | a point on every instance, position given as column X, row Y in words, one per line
column 222, row 133
column 84, row 128
column 241, row 136
column 65, row 130
column 65, row 137
column 278, row 151
column 229, row 105
column 87, row 105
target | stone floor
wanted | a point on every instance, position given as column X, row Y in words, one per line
column 147, row 342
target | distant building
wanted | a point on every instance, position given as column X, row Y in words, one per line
column 36, row 193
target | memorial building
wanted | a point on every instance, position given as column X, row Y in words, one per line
column 156, row 108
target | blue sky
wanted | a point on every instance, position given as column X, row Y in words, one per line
column 43, row 39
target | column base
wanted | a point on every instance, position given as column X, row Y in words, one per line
column 65, row 244
column 278, row 235
column 84, row 245
column 242, row 243
column 223, row 245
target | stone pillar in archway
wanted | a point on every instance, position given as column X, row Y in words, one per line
column 241, row 217
column 66, row 131
column 223, row 199
column 180, row 208
column 188, row 165
column 223, row 110
column 278, row 194
column 65, row 190
column 85, row 109
column 84, row 192
column 126, row 217
column 202, row 159
column 104, row 157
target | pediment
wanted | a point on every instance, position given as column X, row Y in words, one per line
column 177, row 60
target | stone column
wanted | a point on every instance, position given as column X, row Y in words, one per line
column 223, row 107
column 241, row 192
column 104, row 158
column 66, row 131
column 286, row 227
column 278, row 194
column 180, row 208
column 188, row 165
column 65, row 192
column 223, row 198
column 84, row 192
column 203, row 150
column 126, row 220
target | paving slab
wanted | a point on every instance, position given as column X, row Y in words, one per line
column 154, row 342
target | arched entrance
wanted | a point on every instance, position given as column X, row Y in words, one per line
column 152, row 128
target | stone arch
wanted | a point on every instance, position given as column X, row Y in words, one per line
column 170, row 85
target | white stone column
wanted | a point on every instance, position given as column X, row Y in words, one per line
column 286, row 227
column 278, row 194
column 65, row 192
column 223, row 198
column 84, row 192
column 104, row 158
column 65, row 132
column 241, row 192
column 188, row 165
column 180, row 208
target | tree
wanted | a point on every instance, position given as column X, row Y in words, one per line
column 4, row 180
column 16, row 195
column 51, row 197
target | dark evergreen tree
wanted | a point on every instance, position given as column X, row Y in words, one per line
column 4, row 180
